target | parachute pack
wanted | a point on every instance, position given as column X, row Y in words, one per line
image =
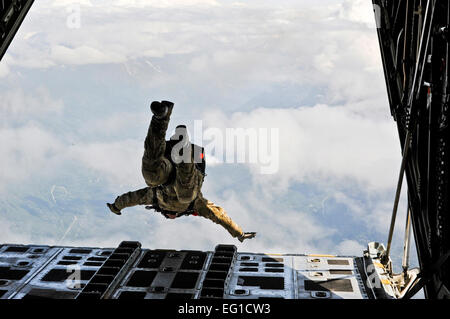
column 197, row 151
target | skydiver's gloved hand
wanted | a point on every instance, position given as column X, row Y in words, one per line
column 114, row 209
column 161, row 109
column 246, row 236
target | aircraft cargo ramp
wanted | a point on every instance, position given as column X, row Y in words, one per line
column 129, row 271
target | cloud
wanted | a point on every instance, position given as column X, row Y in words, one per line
column 83, row 55
column 358, row 11
column 20, row 106
column 65, row 3
column 4, row 70
column 257, row 41
column 10, row 234
column 116, row 123
column 323, row 143
column 118, row 162
column 135, row 4
column 350, row 248
column 27, row 152
column 163, row 3
column 311, row 70
column 28, row 148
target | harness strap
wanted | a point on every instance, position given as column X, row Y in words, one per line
column 155, row 206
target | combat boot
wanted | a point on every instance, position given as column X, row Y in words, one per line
column 161, row 110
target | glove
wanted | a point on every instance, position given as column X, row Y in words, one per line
column 114, row 209
column 246, row 236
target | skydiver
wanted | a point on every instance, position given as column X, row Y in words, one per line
column 174, row 171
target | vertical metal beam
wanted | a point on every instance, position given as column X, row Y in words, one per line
column 10, row 20
column 406, row 245
column 412, row 98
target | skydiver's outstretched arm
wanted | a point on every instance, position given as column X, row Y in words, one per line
column 142, row 196
column 217, row 214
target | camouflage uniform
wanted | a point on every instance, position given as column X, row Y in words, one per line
column 172, row 194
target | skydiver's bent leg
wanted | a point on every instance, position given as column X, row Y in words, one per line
column 217, row 214
column 155, row 167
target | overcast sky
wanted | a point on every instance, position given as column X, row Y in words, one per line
column 75, row 88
